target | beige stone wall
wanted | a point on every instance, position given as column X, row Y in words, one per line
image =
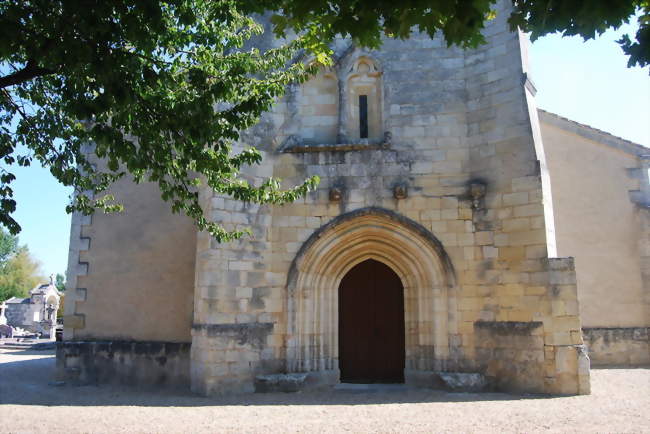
column 597, row 223
column 618, row 346
column 482, row 295
column 131, row 275
column 318, row 108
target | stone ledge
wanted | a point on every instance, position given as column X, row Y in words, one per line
column 328, row 147
column 509, row 327
column 136, row 347
column 633, row 333
column 252, row 333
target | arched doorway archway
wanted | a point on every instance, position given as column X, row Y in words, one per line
column 371, row 324
column 410, row 250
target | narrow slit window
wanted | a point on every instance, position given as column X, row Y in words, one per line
column 363, row 116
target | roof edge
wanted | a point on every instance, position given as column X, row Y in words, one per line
column 594, row 134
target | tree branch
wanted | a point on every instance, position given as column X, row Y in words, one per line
column 30, row 71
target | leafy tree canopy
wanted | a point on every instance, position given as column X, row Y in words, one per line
column 60, row 312
column 177, row 76
column 60, row 285
column 173, row 74
column 19, row 272
column 8, row 246
column 460, row 21
column 60, row 282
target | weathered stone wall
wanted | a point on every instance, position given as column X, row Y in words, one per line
column 601, row 196
column 450, row 189
column 235, row 307
column 36, row 314
column 597, row 222
column 644, row 241
column 618, row 346
column 318, row 109
column 507, row 345
column 456, row 123
column 130, row 275
column 20, row 314
column 124, row 362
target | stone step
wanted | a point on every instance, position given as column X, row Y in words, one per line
column 280, row 383
column 463, row 381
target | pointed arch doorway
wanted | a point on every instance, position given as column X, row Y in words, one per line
column 371, row 325
column 314, row 278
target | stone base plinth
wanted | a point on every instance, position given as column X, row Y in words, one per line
column 618, row 346
column 122, row 362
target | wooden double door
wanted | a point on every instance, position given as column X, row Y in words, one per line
column 371, row 325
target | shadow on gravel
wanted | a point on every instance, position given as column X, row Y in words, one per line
column 31, row 382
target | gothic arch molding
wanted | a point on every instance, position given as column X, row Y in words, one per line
column 409, row 249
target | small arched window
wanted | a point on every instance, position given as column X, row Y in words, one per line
column 364, row 101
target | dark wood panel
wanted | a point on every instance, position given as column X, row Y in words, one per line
column 371, row 325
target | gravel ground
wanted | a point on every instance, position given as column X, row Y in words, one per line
column 620, row 402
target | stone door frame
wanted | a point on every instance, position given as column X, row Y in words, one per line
column 414, row 254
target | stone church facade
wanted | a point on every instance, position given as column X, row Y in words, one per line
column 435, row 176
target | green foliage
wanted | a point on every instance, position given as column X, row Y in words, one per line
column 174, row 74
column 459, row 21
column 60, row 312
column 639, row 49
column 19, row 274
column 8, row 246
column 178, row 76
column 60, row 282
column 588, row 18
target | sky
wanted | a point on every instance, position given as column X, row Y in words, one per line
column 588, row 82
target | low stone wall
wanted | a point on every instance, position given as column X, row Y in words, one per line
column 618, row 346
column 124, row 362
column 20, row 315
column 511, row 354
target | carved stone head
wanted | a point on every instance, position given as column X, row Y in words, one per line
column 335, row 194
column 400, row 191
column 477, row 192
